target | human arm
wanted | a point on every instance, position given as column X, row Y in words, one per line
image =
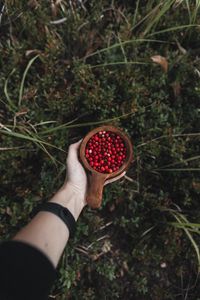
column 48, row 232
column 28, row 261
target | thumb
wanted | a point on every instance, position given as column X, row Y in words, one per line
column 73, row 151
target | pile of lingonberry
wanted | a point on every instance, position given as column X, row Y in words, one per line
column 105, row 152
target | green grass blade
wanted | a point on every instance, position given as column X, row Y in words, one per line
column 147, row 16
column 66, row 126
column 189, row 11
column 181, row 162
column 29, row 138
column 164, row 8
column 118, row 63
column 179, row 170
column 187, row 226
column 191, row 134
column 40, row 144
column 135, row 14
column 122, row 49
column 173, row 29
column 24, row 77
column 43, row 148
column 181, row 220
column 195, row 246
column 44, row 123
column 11, row 105
column 116, row 45
column 191, row 225
column 5, row 127
column 148, row 230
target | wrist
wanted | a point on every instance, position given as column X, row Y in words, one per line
column 70, row 198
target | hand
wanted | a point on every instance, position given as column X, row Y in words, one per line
column 76, row 175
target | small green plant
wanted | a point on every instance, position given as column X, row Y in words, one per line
column 189, row 228
column 106, row 270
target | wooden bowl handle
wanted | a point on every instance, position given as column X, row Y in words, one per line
column 95, row 189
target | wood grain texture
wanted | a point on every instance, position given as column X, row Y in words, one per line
column 96, row 179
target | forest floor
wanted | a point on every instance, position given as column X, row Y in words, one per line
column 69, row 66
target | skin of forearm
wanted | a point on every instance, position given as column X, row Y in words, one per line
column 48, row 232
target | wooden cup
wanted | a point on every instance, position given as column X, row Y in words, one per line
column 96, row 179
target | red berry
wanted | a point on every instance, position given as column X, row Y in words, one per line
column 105, row 152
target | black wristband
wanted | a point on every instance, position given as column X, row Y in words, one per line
column 62, row 212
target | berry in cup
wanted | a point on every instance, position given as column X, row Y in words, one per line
column 105, row 152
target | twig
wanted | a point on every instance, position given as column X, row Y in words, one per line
column 9, row 148
column 129, row 178
column 134, row 181
column 103, row 237
column 99, row 239
column 106, row 225
column 4, row 127
column 1, row 13
column 60, row 21
column 81, row 250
